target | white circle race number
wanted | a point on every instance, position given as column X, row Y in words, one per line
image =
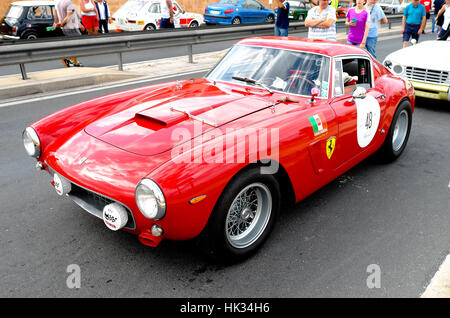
column 368, row 119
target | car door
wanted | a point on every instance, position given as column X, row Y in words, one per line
column 39, row 18
column 252, row 12
column 358, row 117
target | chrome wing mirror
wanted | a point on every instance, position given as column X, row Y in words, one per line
column 360, row 93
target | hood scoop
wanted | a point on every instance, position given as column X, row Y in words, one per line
column 153, row 126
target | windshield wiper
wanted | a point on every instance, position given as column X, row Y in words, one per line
column 252, row 81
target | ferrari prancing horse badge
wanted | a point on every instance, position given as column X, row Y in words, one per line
column 331, row 144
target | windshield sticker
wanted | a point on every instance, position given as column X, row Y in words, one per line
column 278, row 83
column 319, row 124
column 324, row 89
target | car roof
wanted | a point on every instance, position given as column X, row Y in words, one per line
column 327, row 48
column 33, row 3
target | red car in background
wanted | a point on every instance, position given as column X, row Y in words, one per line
column 217, row 157
column 343, row 7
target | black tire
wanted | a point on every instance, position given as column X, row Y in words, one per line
column 215, row 239
column 236, row 20
column 194, row 24
column 393, row 146
column 270, row 19
column 150, row 27
column 30, row 35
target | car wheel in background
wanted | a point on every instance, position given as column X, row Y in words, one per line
column 150, row 27
column 270, row 19
column 236, row 20
column 194, row 24
column 243, row 217
column 398, row 133
column 30, row 35
column 301, row 17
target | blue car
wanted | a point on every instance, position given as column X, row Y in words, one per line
column 237, row 12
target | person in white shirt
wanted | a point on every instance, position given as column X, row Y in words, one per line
column 104, row 16
column 166, row 15
column 321, row 21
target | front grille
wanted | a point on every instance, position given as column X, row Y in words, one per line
column 427, row 76
column 94, row 203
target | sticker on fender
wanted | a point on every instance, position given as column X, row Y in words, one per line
column 319, row 124
column 368, row 119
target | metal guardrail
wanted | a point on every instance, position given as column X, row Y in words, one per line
column 32, row 51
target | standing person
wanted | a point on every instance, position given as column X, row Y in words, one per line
column 104, row 16
column 359, row 22
column 167, row 21
column 413, row 21
column 89, row 16
column 427, row 5
column 377, row 16
column 282, row 24
column 66, row 18
column 321, row 21
column 445, row 30
column 434, row 22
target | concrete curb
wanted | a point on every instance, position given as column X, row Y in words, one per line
column 62, row 79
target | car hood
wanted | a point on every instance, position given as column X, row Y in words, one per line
column 419, row 55
column 153, row 122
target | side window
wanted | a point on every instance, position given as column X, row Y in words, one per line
column 154, row 8
column 356, row 72
column 338, row 83
column 39, row 13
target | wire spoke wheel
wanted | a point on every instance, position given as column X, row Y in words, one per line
column 248, row 215
column 400, row 130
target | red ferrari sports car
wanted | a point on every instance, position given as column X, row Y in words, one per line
column 217, row 157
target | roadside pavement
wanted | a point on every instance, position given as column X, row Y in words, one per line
column 12, row 87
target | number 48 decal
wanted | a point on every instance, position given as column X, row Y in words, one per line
column 369, row 120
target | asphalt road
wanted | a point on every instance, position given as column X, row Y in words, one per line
column 395, row 216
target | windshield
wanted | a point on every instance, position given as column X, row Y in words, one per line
column 133, row 6
column 14, row 12
column 280, row 70
column 233, row 2
column 294, row 4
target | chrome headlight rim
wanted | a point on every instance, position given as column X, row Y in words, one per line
column 31, row 142
column 150, row 199
column 400, row 69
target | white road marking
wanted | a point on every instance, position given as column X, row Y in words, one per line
column 439, row 286
column 96, row 88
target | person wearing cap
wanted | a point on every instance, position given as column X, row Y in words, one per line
column 413, row 21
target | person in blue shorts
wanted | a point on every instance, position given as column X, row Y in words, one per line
column 413, row 21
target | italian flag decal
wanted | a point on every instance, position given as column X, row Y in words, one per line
column 319, row 124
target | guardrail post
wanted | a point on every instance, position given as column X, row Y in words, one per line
column 191, row 56
column 23, row 71
column 120, row 62
column 390, row 25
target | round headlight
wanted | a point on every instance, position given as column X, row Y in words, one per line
column 31, row 142
column 398, row 69
column 150, row 200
